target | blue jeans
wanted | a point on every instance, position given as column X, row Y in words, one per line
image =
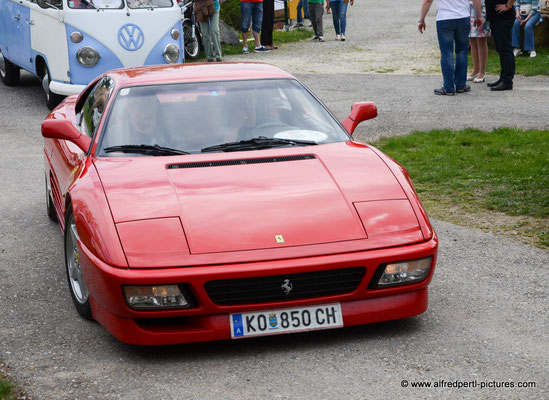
column 450, row 32
column 251, row 12
column 339, row 16
column 528, row 32
column 302, row 5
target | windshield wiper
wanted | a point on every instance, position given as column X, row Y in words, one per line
column 152, row 150
column 257, row 143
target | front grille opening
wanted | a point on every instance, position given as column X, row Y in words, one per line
column 270, row 288
column 244, row 161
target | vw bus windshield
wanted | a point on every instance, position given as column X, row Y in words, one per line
column 118, row 4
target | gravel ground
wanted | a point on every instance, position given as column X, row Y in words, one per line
column 487, row 319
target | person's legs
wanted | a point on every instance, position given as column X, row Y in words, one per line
column 312, row 13
column 463, row 27
column 482, row 48
column 516, row 34
column 445, row 35
column 299, row 10
column 257, row 20
column 206, row 39
column 474, row 55
column 336, row 6
column 245, row 19
column 319, row 23
column 529, row 33
column 507, row 58
column 215, row 35
column 343, row 16
column 267, row 24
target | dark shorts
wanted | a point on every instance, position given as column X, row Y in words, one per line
column 251, row 12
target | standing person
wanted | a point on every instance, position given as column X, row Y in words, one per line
column 339, row 16
column 453, row 28
column 251, row 11
column 316, row 11
column 267, row 25
column 302, row 5
column 526, row 14
column 501, row 15
column 210, row 34
column 478, row 39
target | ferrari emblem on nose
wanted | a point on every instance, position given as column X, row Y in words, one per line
column 287, row 286
column 279, row 239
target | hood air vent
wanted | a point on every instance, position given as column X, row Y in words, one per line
column 243, row 161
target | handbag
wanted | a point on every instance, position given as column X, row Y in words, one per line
column 525, row 9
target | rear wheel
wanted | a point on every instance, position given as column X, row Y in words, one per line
column 52, row 99
column 77, row 286
column 192, row 45
column 9, row 73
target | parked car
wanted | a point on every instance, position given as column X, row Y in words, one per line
column 68, row 43
column 216, row 201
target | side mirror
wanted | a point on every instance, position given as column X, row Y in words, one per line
column 64, row 129
column 359, row 112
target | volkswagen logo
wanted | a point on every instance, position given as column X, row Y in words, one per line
column 287, row 286
column 131, row 37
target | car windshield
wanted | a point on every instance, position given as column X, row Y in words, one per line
column 117, row 4
column 217, row 116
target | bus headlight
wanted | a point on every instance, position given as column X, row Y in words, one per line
column 171, row 53
column 87, row 56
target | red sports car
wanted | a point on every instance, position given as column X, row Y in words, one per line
column 217, row 201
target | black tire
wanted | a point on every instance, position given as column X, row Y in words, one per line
column 9, row 72
column 52, row 214
column 52, row 99
column 191, row 46
column 77, row 286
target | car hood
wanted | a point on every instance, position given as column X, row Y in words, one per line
column 251, row 200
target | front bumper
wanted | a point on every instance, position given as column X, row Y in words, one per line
column 208, row 321
column 65, row 89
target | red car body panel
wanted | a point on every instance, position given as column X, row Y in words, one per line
column 142, row 223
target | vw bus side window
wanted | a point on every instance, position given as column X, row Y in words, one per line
column 149, row 3
column 94, row 106
column 96, row 4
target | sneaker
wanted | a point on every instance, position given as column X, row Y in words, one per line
column 218, row 59
column 517, row 52
column 338, row 37
column 464, row 89
column 533, row 54
column 342, row 37
column 245, row 50
column 321, row 39
column 298, row 25
column 261, row 49
column 443, row 92
column 315, row 37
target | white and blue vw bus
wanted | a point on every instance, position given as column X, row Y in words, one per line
column 67, row 43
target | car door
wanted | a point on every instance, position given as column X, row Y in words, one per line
column 66, row 156
column 17, row 29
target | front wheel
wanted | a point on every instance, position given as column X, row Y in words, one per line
column 52, row 214
column 77, row 286
column 9, row 73
column 52, row 99
column 191, row 45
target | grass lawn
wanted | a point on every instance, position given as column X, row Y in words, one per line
column 279, row 37
column 497, row 181
column 524, row 64
column 7, row 390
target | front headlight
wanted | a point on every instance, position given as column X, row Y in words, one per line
column 88, row 56
column 403, row 272
column 171, row 53
column 155, row 297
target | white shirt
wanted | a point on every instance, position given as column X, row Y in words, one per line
column 453, row 9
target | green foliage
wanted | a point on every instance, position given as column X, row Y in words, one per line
column 230, row 13
column 6, row 390
column 505, row 170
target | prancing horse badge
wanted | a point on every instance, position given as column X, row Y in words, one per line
column 279, row 239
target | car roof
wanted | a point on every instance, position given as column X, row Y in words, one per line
column 199, row 72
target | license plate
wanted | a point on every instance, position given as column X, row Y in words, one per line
column 286, row 320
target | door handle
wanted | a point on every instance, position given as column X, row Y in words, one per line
column 17, row 17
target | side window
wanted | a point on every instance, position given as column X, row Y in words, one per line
column 94, row 106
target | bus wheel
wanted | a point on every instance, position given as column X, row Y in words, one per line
column 52, row 99
column 9, row 73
